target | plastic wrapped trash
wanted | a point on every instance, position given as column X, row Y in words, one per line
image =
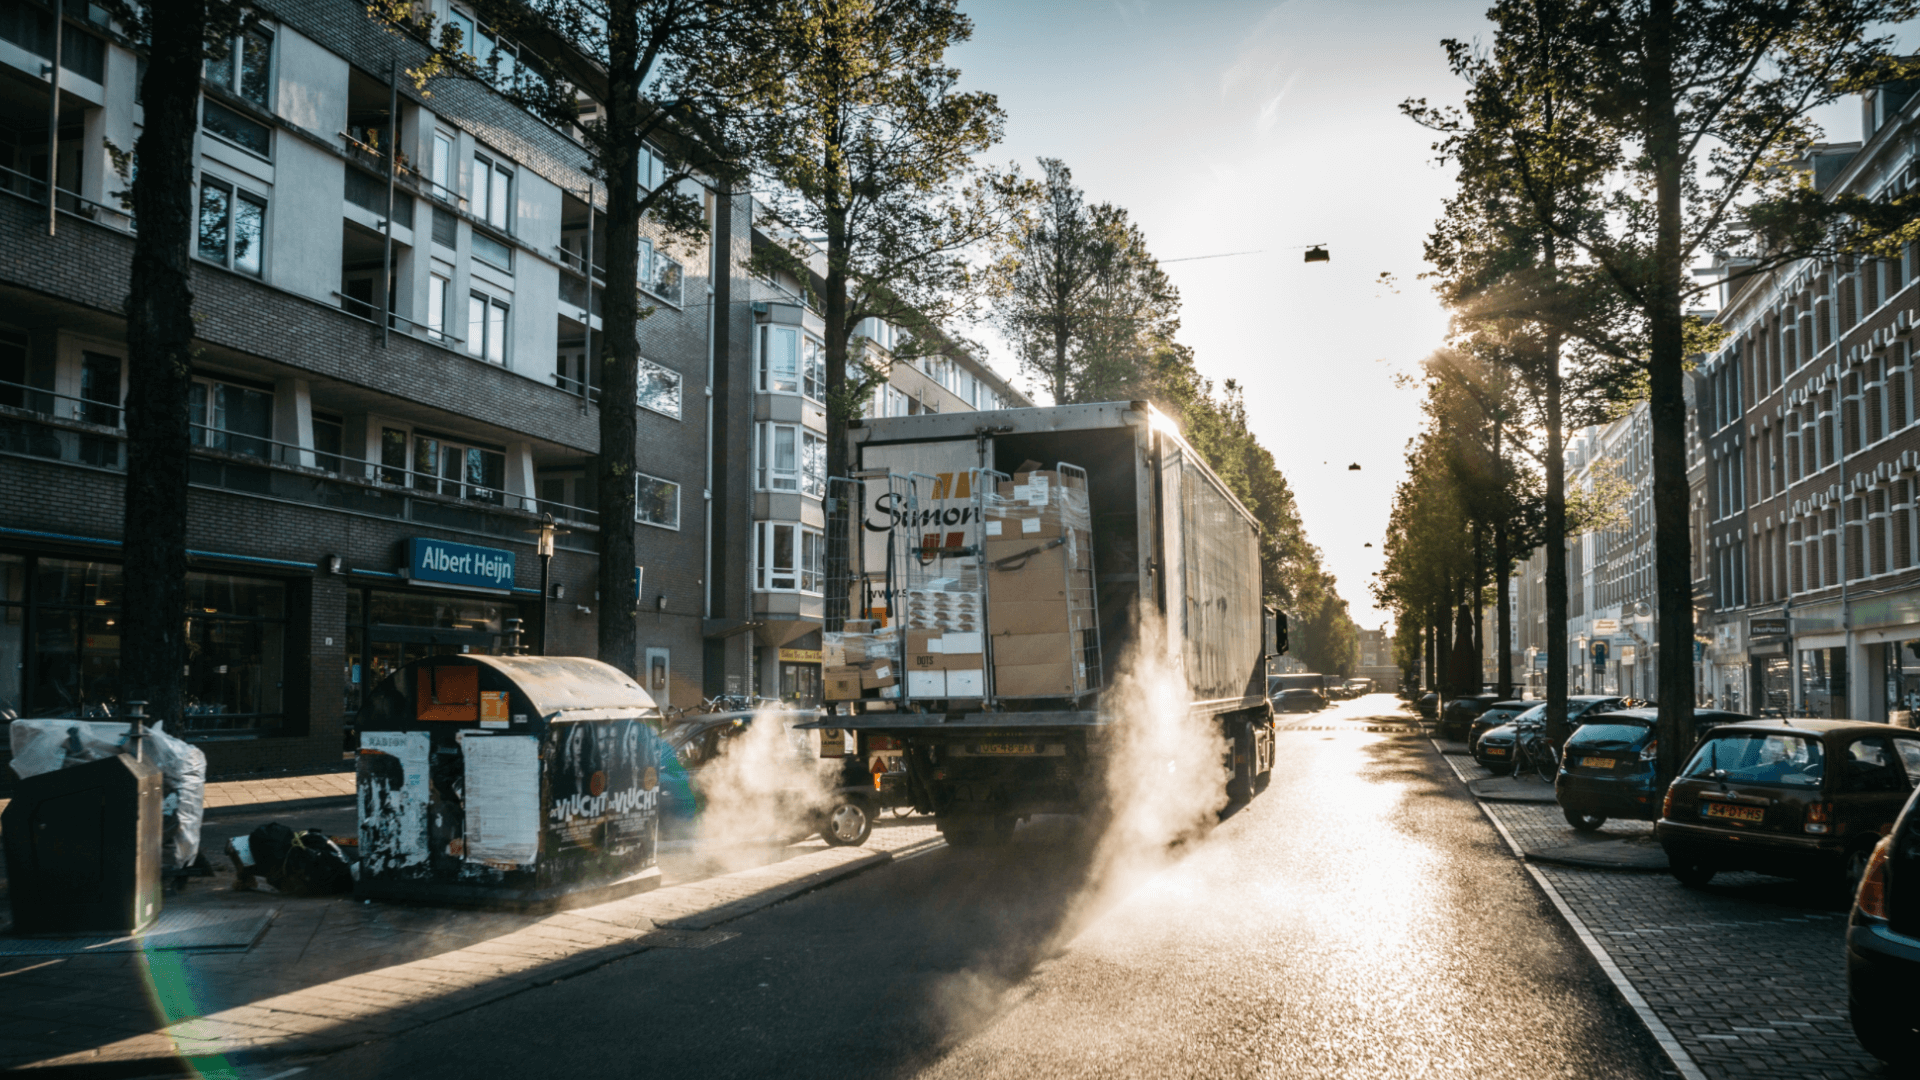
column 296, row 863
column 43, row 745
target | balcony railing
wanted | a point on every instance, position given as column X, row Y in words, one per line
column 56, row 427
column 34, row 190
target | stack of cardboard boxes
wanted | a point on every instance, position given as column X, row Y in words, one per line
column 1040, row 591
column 860, row 662
column 945, row 635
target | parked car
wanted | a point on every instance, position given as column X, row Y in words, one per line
column 1359, row 687
column 841, row 812
column 1803, row 798
column 1427, row 704
column 1883, row 945
column 1493, row 748
column 1607, row 766
column 1496, row 714
column 1459, row 713
column 1299, row 699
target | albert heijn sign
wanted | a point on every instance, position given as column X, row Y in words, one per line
column 445, row 562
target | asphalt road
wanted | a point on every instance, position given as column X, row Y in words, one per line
column 1358, row 919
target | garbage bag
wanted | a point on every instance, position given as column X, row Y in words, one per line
column 43, row 745
column 299, row 864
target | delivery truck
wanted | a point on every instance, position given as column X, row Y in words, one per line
column 994, row 570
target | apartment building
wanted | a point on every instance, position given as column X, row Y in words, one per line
column 396, row 295
column 790, row 486
column 1815, row 411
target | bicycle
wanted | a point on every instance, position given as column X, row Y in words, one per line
column 1533, row 750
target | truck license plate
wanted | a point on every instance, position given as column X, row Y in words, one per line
column 1003, row 748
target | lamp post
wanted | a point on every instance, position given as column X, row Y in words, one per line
column 547, row 532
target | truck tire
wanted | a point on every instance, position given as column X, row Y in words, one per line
column 1240, row 786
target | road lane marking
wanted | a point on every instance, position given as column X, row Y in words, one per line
column 1677, row 1054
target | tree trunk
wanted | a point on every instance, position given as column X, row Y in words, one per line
column 1443, row 672
column 1432, row 663
column 160, row 368
column 1503, row 599
column 1556, row 550
column 1673, row 574
column 1479, row 607
column 620, row 345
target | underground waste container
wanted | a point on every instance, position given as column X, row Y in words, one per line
column 515, row 781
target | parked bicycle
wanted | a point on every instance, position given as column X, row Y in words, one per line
column 1533, row 751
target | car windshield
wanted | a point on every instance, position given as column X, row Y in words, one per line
column 1757, row 757
column 1610, row 729
column 1538, row 712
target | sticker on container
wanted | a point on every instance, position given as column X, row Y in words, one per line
column 883, row 672
column 1036, row 491
column 1029, row 525
column 502, row 798
column 993, row 528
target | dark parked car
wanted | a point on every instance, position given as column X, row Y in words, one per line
column 1493, row 748
column 1803, row 798
column 1298, row 700
column 1607, row 766
column 1883, row 945
column 1459, row 713
column 1496, row 714
column 1426, row 704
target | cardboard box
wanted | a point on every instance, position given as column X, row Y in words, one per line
column 967, row 683
column 1036, row 680
column 877, row 676
column 927, row 684
column 1019, row 650
column 843, row 685
column 1037, row 617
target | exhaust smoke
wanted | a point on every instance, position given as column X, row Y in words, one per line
column 762, row 789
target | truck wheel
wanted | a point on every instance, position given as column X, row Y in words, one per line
column 848, row 824
column 1240, row 786
column 964, row 833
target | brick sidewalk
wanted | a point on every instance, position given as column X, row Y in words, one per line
column 1749, row 974
column 330, row 973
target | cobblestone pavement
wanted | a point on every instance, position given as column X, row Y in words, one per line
column 332, row 972
column 1748, row 974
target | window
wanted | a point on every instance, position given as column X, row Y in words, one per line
column 779, row 360
column 437, row 287
column 790, row 458
column 232, row 225
column 813, row 371
column 492, row 252
column 656, row 501
column 813, row 464
column 661, row 276
column 492, row 192
column 245, row 70
column 788, row 558
column 487, row 328
column 445, row 228
column 329, row 440
column 250, row 135
column 232, row 418
column 462, row 471
column 236, row 650
column 659, row 389
column 445, row 181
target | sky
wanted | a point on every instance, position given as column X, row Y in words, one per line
column 1228, row 126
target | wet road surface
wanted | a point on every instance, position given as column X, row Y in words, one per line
column 1358, row 919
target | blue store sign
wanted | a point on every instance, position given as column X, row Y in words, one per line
column 449, row 563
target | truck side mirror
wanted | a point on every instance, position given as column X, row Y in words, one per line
column 1279, row 633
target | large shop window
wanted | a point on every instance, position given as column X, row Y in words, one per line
column 60, row 626
column 387, row 629
column 788, row 557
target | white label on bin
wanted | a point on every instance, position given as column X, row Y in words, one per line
column 502, row 798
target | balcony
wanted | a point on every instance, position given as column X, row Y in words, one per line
column 38, row 423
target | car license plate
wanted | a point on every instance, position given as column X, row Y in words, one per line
column 1003, row 748
column 1732, row 813
column 1596, row 763
column 1496, row 751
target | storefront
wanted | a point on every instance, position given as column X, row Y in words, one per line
column 60, row 644
column 453, row 604
column 1823, row 682
column 800, row 676
column 1900, row 664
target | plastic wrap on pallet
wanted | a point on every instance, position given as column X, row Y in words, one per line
column 41, row 746
column 1037, row 503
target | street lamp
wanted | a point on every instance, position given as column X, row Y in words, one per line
column 547, row 533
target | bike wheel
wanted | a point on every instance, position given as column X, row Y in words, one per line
column 1546, row 762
